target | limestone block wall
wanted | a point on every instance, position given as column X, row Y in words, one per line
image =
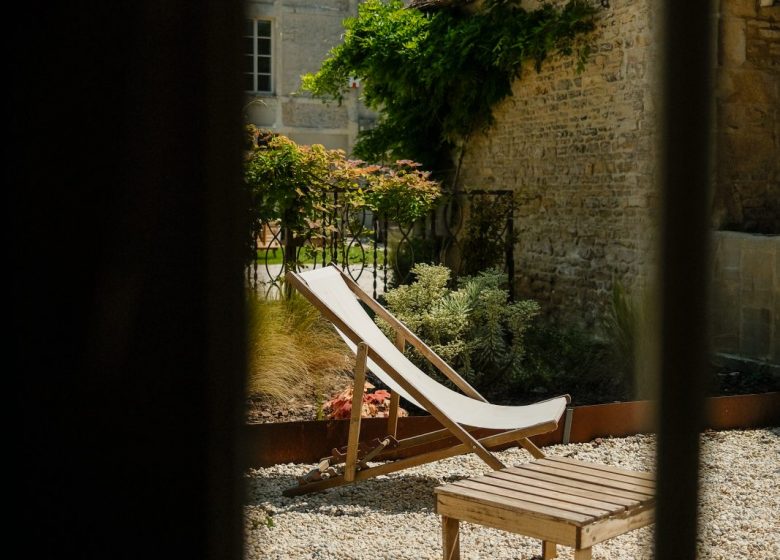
column 746, row 296
column 748, row 109
column 578, row 150
column 303, row 34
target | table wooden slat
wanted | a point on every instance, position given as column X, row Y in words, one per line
column 529, row 487
column 572, row 491
column 513, row 504
column 609, row 468
column 599, row 481
column 522, row 494
column 639, row 497
column 592, row 471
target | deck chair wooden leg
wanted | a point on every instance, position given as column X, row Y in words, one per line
column 450, row 537
column 529, row 446
column 395, row 398
column 549, row 550
column 392, row 416
column 357, row 407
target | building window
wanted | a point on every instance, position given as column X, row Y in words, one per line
column 257, row 56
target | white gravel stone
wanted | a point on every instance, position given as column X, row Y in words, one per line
column 392, row 516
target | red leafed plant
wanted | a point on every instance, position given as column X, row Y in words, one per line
column 375, row 404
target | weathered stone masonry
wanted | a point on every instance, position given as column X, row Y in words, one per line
column 579, row 151
column 577, row 148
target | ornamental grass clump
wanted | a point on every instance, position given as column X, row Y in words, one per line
column 293, row 351
column 475, row 328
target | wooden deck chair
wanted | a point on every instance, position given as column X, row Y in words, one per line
column 336, row 295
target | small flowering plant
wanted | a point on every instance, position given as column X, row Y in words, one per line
column 375, row 404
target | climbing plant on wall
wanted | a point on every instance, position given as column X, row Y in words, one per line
column 435, row 77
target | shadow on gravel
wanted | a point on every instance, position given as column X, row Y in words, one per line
column 390, row 494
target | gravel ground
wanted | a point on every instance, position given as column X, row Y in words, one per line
column 392, row 516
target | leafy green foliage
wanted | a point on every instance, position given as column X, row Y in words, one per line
column 565, row 358
column 290, row 183
column 622, row 325
column 474, row 327
column 402, row 192
column 487, row 235
column 435, row 77
column 294, row 185
column 614, row 366
column 504, row 349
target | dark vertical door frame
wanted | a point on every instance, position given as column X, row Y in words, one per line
column 124, row 197
column 685, row 164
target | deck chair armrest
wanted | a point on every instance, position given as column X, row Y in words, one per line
column 412, row 339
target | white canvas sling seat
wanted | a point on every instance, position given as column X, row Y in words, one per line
column 337, row 297
column 329, row 286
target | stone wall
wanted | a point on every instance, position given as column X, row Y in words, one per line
column 746, row 296
column 577, row 148
column 748, row 108
column 303, row 34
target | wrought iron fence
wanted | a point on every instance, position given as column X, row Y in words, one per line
column 379, row 254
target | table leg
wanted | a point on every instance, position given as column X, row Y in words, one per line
column 549, row 550
column 450, row 538
column 582, row 554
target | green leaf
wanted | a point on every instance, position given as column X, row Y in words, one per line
column 435, row 78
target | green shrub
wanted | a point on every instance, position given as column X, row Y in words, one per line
column 629, row 329
column 565, row 358
column 611, row 365
column 487, row 236
column 474, row 327
column 295, row 185
column 508, row 353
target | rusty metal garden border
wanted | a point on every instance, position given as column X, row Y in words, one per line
column 306, row 442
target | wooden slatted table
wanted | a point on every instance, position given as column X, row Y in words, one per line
column 555, row 499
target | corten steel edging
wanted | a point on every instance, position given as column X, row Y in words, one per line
column 743, row 411
column 308, row 442
column 611, row 419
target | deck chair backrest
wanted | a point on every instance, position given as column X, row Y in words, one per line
column 330, row 290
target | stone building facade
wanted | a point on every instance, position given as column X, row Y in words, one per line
column 283, row 40
column 579, row 151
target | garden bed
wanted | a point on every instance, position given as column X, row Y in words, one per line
column 306, row 442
